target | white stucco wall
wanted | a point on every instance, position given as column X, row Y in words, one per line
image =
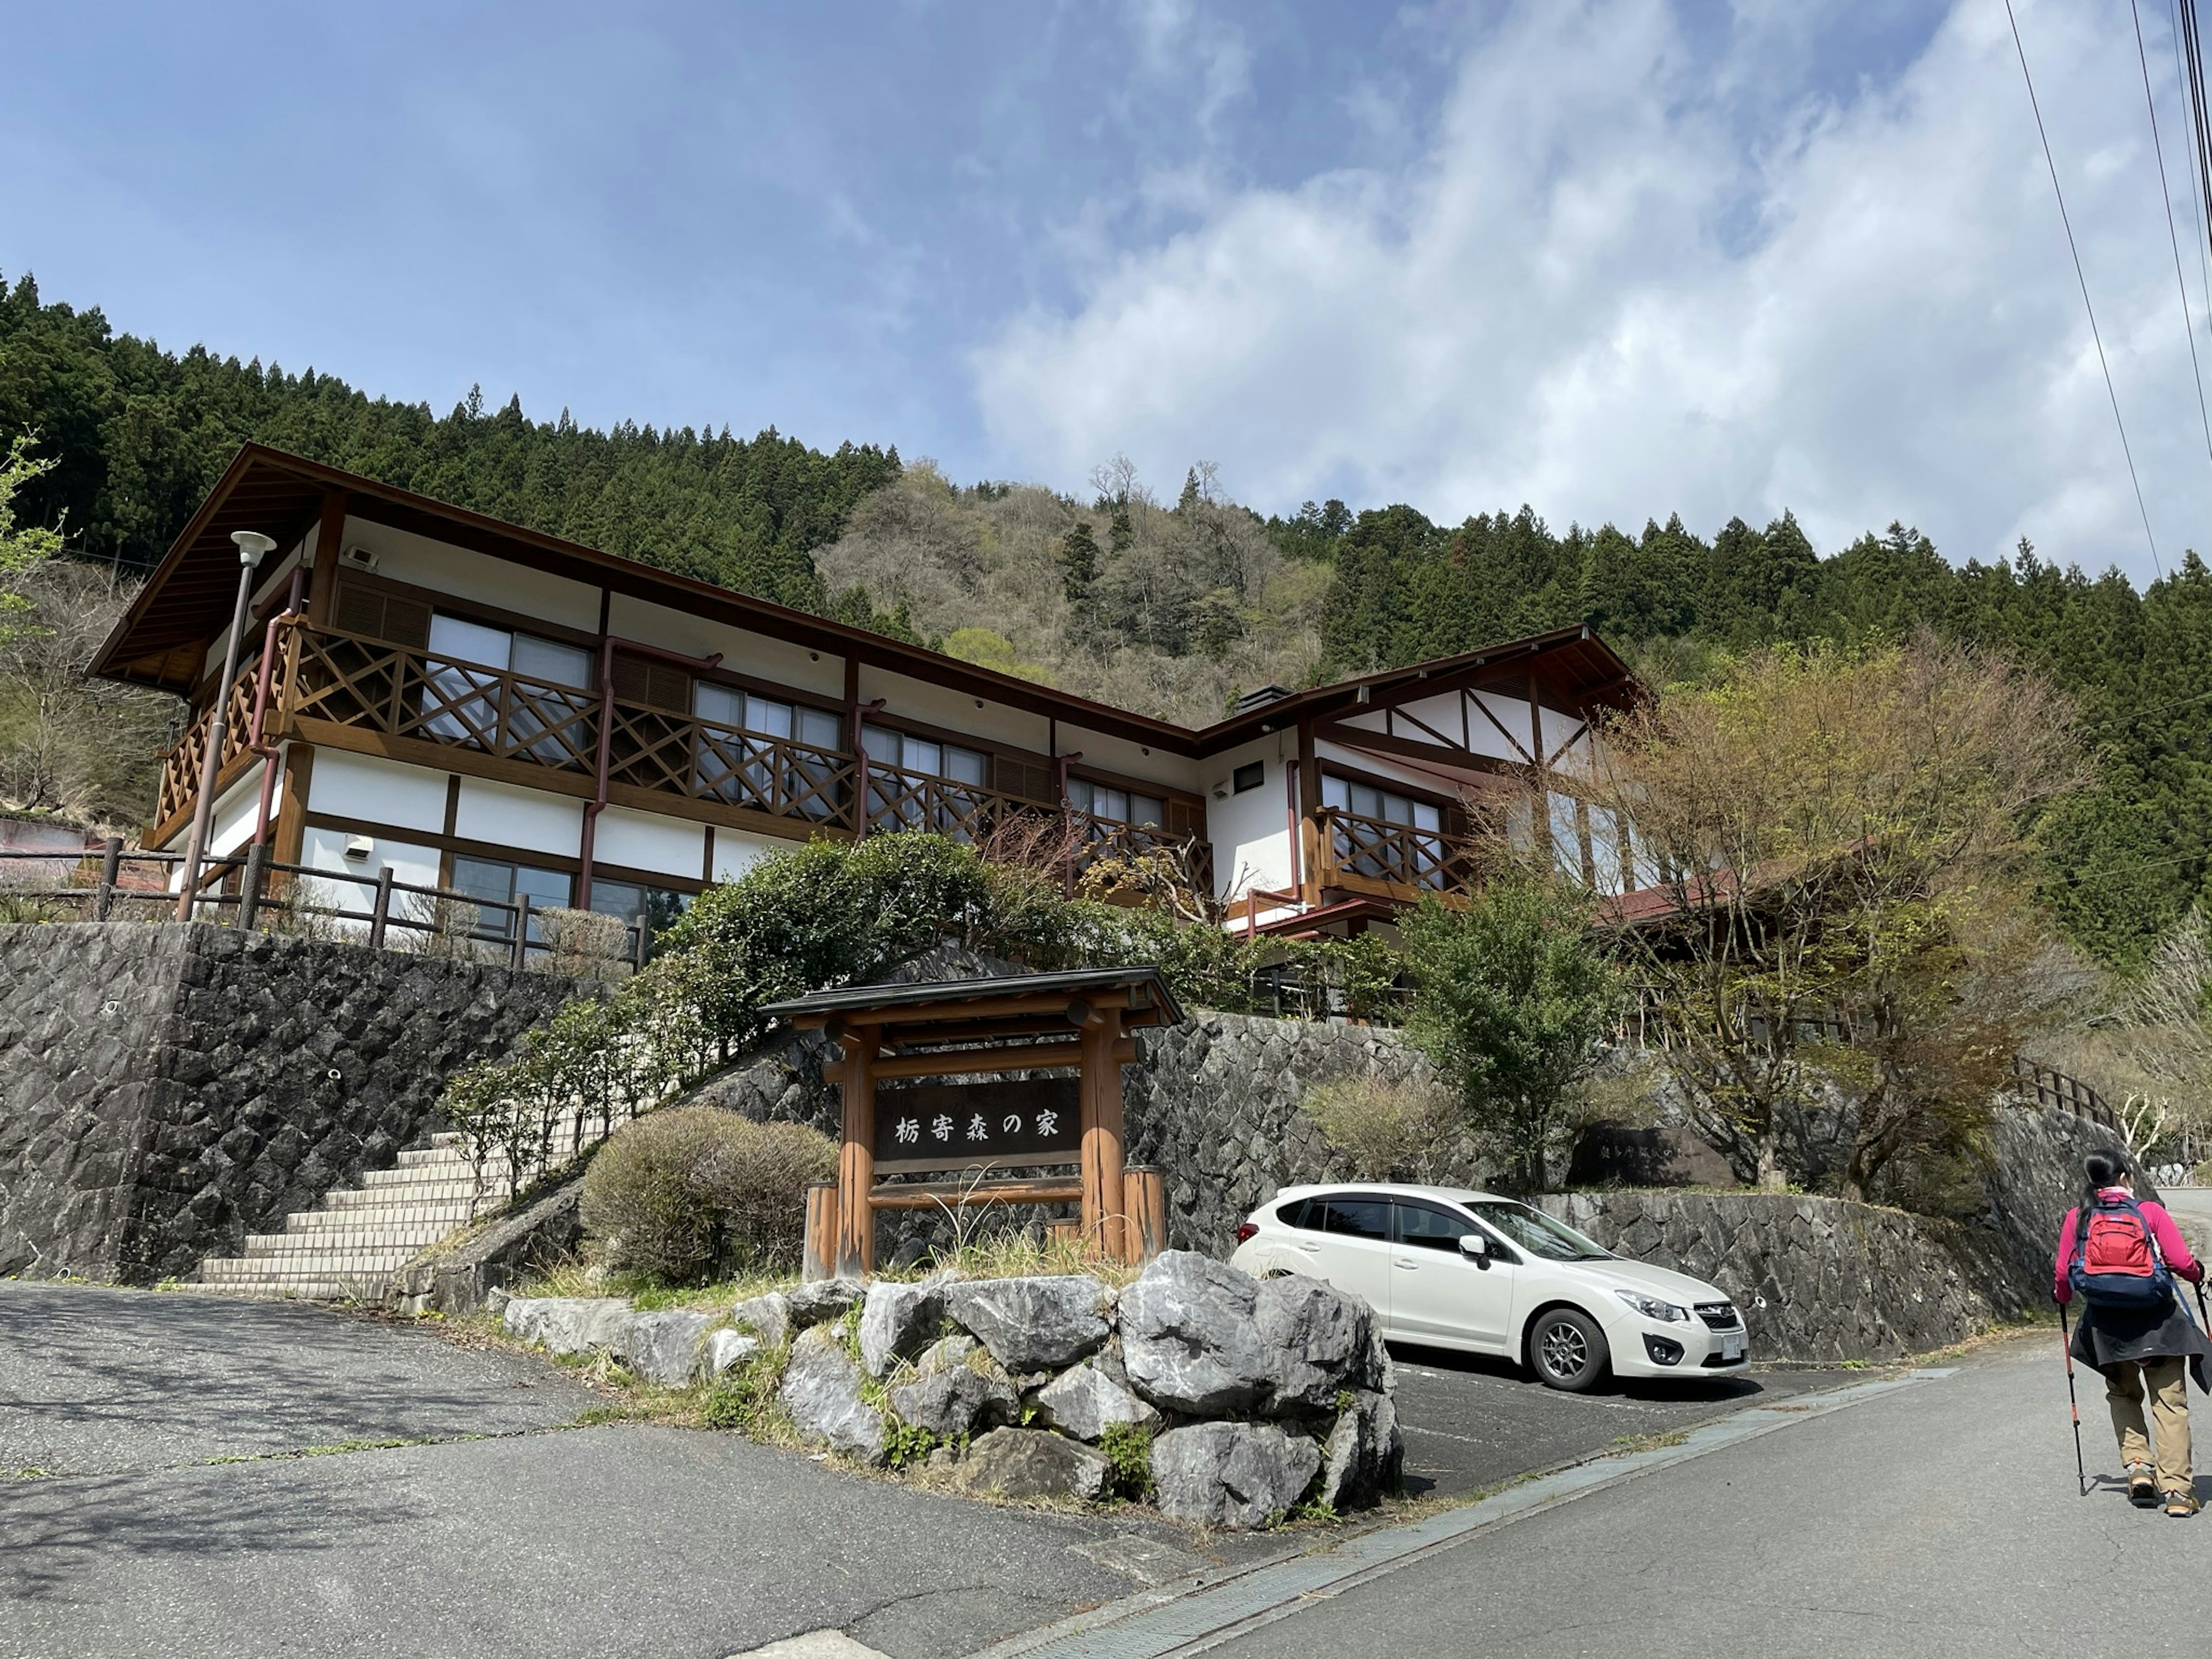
column 1251, row 832
column 350, row 883
column 646, row 841
column 348, row 786
column 528, row 820
column 404, row 556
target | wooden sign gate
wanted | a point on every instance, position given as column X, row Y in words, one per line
column 973, row 1132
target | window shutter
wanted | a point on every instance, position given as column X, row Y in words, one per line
column 663, row 685
column 669, row 687
column 1185, row 818
column 1015, row 777
column 633, row 676
column 359, row 609
column 407, row 622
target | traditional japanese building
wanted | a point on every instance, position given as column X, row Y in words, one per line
column 484, row 708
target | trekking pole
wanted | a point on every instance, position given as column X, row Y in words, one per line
column 2066, row 1345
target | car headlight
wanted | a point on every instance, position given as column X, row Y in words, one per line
column 1652, row 1308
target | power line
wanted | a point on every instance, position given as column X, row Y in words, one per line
column 2081, row 277
column 2200, row 199
column 2173, row 237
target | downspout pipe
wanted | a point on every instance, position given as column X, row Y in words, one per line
column 259, row 744
column 598, row 803
column 253, row 547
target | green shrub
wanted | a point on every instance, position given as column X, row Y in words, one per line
column 683, row 1194
column 744, row 1399
column 1128, row 1448
column 1387, row 1130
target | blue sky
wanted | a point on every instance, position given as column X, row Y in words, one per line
column 1613, row 258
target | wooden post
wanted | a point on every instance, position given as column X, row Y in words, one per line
column 110, row 872
column 522, row 935
column 819, row 1259
column 1147, row 1205
column 855, row 1252
column 1309, row 851
column 249, row 894
column 1103, row 1197
column 381, row 915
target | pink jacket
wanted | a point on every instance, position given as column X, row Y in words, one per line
column 2171, row 1247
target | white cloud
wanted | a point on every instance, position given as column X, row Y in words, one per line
column 1625, row 280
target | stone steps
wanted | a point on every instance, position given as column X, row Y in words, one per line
column 352, row 1244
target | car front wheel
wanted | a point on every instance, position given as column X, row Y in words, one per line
column 1568, row 1350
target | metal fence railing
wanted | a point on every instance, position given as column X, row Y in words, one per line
column 248, row 891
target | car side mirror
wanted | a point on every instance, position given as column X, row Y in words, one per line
column 1475, row 1247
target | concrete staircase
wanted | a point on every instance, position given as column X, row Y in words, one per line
column 350, row 1246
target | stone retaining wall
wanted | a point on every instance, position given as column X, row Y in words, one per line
column 1818, row 1279
column 166, row 1090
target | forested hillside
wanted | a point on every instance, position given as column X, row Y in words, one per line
column 1170, row 609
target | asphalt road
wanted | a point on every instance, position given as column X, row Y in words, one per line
column 1940, row 1520
column 154, row 1497
column 1470, row 1423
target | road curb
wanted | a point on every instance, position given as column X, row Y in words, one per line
column 1205, row 1611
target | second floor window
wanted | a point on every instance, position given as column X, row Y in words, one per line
column 473, row 701
column 1384, row 836
column 740, row 756
column 1117, row 806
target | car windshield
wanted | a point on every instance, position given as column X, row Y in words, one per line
column 1536, row 1232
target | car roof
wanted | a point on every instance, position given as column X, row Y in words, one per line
column 1389, row 1190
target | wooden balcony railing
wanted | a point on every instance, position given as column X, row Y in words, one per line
column 402, row 692
column 1373, row 854
column 1111, row 838
column 181, row 765
column 398, row 691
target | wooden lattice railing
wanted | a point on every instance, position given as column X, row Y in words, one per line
column 404, row 691
column 182, row 764
column 1360, row 850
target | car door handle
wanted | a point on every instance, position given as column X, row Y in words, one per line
column 1310, row 1250
column 1410, row 1266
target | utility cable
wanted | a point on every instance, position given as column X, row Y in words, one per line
column 2081, row 276
column 2200, row 197
column 2173, row 236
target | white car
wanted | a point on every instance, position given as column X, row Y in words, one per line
column 1472, row 1271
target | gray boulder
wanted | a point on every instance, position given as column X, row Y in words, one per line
column 956, row 1390
column 825, row 1299
column 1084, row 1400
column 1232, row 1474
column 821, row 1393
column 1029, row 1463
column 1316, row 1339
column 725, row 1351
column 897, row 1322
column 1364, row 1457
column 1189, row 1340
column 768, row 1317
column 1031, row 1324
column 662, row 1347
column 566, row 1324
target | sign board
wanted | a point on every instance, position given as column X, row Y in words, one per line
column 966, row 1126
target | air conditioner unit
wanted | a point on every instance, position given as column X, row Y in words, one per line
column 358, row 558
column 360, row 847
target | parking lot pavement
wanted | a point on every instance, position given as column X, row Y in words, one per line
column 1470, row 1422
column 97, row 1381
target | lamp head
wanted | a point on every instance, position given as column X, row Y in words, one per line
column 252, row 546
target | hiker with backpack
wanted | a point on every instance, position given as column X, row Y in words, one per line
column 2120, row 1256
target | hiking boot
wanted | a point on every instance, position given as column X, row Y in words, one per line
column 2142, row 1490
column 2181, row 1504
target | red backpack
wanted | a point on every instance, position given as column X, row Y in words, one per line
column 2116, row 1260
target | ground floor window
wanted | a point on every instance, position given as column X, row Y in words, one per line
column 494, row 884
column 635, row 904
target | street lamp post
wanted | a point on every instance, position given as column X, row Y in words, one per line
column 253, row 548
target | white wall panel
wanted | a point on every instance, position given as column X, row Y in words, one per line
column 324, row 849
column 346, row 785
column 646, row 841
column 527, row 820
